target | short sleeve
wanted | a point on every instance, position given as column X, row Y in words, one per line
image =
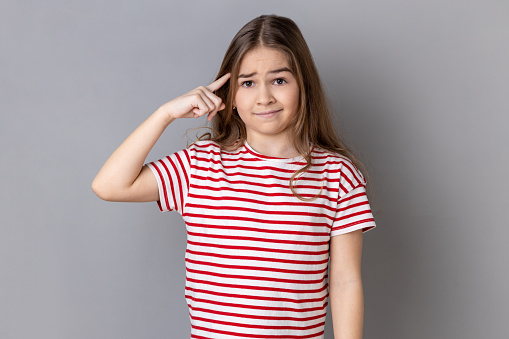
column 172, row 174
column 353, row 210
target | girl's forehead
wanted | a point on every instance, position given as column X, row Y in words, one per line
column 263, row 58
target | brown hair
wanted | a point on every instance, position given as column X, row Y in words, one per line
column 312, row 123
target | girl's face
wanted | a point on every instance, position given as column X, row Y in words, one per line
column 267, row 97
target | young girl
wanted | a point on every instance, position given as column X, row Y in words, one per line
column 267, row 198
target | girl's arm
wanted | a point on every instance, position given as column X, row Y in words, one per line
column 124, row 177
column 345, row 285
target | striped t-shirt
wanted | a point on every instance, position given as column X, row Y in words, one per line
column 257, row 256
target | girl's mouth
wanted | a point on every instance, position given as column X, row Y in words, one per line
column 267, row 114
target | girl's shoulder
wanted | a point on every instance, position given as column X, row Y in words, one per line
column 212, row 147
column 337, row 163
column 204, row 148
column 323, row 153
column 199, row 144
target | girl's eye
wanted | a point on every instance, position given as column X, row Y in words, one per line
column 249, row 83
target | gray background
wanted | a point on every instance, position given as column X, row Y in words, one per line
column 421, row 90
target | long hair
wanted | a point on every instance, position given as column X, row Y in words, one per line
column 312, row 123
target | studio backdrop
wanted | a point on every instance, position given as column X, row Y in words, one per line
column 419, row 90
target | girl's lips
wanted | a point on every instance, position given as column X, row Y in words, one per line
column 267, row 113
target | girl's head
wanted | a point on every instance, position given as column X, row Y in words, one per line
column 279, row 34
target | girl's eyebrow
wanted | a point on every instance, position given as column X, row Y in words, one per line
column 279, row 70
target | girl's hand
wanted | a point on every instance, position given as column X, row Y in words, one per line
column 197, row 102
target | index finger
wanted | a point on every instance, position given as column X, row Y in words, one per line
column 218, row 83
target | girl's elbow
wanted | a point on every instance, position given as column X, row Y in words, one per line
column 101, row 191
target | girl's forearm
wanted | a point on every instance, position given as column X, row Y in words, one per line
column 123, row 166
column 347, row 307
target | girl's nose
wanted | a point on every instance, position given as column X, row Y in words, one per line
column 265, row 96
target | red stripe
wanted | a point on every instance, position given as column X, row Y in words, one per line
column 268, row 176
column 264, row 336
column 260, row 202
column 256, row 307
column 165, row 192
column 251, row 277
column 194, row 336
column 334, row 228
column 210, row 160
column 256, row 220
column 353, row 206
column 343, row 188
column 278, row 241
column 254, row 210
column 259, row 155
column 256, row 288
column 171, row 184
column 351, row 215
column 353, row 196
column 224, row 156
column 257, row 184
column 217, row 170
column 250, row 316
column 239, row 157
column 227, row 228
column 217, row 151
column 211, row 143
column 263, row 249
column 341, row 160
column 255, row 268
column 225, row 159
column 243, row 257
column 178, row 204
column 240, row 190
column 186, row 152
column 255, row 297
column 179, row 158
column 267, row 327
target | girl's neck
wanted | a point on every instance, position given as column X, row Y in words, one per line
column 279, row 147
